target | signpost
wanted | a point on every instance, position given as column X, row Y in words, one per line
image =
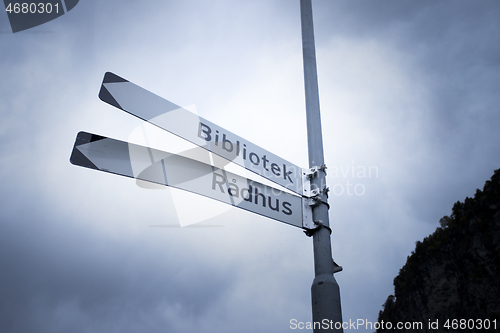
column 325, row 293
column 307, row 208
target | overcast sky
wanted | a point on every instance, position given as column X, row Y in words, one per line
column 408, row 90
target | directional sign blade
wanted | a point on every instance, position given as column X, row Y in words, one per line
column 130, row 160
column 145, row 105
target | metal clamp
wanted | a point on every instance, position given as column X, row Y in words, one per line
column 307, row 216
column 311, row 198
column 309, row 225
column 313, row 195
column 323, row 168
column 307, row 175
column 310, row 232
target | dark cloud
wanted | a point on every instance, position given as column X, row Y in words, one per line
column 51, row 270
column 406, row 86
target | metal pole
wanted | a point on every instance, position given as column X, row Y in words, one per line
column 325, row 292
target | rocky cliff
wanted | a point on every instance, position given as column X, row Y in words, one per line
column 454, row 272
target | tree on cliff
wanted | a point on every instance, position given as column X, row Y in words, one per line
column 454, row 272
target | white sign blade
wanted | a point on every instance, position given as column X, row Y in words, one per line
column 120, row 157
column 145, row 105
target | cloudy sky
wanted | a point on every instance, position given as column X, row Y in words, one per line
column 408, row 91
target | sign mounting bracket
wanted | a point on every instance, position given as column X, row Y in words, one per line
column 311, row 198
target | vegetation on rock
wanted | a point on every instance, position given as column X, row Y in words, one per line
column 454, row 272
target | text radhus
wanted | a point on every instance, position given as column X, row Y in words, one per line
column 250, row 194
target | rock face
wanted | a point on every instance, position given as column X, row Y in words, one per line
column 454, row 272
